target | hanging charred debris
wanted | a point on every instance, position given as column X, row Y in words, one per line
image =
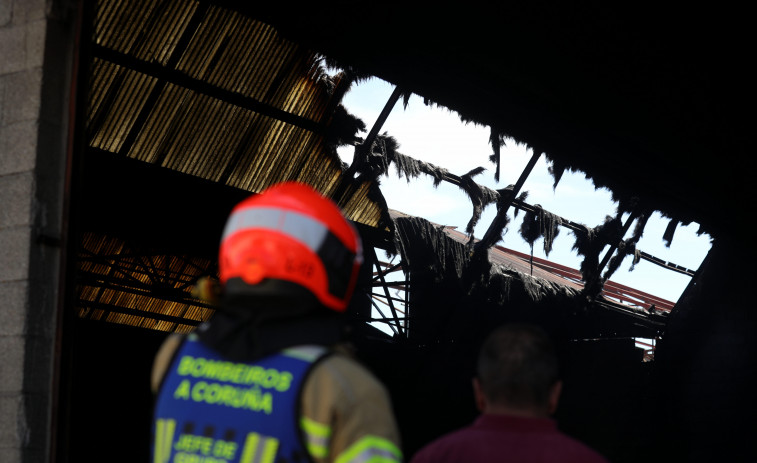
column 540, row 224
column 455, row 293
column 465, row 271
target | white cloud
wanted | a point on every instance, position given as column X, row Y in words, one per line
column 442, row 205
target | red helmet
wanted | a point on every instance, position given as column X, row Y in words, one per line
column 290, row 232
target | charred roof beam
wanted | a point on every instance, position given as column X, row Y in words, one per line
column 594, row 286
column 362, row 150
column 494, row 232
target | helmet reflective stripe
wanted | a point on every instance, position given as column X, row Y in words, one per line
column 302, row 228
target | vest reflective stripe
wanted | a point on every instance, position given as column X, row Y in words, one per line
column 164, row 431
column 302, row 228
column 211, row 409
column 372, row 449
column 317, row 437
column 259, row 449
column 306, row 353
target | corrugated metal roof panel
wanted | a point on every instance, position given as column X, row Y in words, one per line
column 156, row 115
column 237, row 54
column 114, row 115
column 147, row 29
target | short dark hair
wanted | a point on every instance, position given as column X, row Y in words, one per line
column 517, row 365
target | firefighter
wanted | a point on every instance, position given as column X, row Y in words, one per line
column 267, row 378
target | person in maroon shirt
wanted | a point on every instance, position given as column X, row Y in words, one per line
column 517, row 389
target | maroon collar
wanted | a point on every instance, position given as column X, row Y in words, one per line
column 515, row 423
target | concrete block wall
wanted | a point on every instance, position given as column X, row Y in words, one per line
column 36, row 49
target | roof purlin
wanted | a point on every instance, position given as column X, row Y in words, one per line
column 185, row 81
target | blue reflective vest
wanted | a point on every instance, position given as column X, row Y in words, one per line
column 211, row 410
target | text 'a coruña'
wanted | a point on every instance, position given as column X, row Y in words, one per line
column 252, row 398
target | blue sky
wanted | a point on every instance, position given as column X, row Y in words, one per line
column 437, row 135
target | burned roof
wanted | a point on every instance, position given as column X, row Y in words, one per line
column 650, row 102
column 189, row 100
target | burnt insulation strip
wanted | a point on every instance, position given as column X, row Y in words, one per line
column 384, row 151
column 412, row 168
column 375, row 161
column 343, row 128
column 522, row 197
column 589, row 245
column 479, row 195
column 498, row 227
column 627, row 247
column 497, row 140
column 557, row 169
column 427, row 248
column 540, row 224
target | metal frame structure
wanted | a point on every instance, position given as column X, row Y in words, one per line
column 382, row 285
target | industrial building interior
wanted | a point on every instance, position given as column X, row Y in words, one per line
column 185, row 107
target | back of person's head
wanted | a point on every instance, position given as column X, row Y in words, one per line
column 517, row 367
column 287, row 239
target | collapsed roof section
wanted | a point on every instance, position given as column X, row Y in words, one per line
column 649, row 102
column 188, row 100
column 538, row 223
column 455, row 294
